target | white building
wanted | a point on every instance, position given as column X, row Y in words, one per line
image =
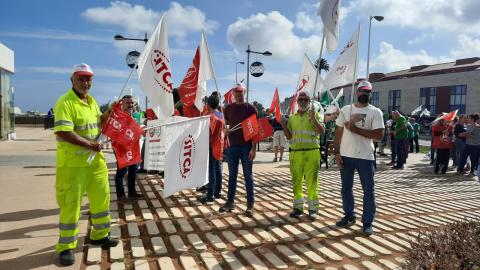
column 7, row 116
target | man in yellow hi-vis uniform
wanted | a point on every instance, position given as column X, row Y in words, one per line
column 303, row 130
column 77, row 125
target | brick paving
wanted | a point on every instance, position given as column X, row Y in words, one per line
column 180, row 233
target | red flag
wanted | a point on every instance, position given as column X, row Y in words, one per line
column 265, row 130
column 275, row 107
column 217, row 135
column 250, row 127
column 293, row 102
column 450, row 116
column 190, row 111
column 122, row 128
column 229, row 97
column 127, row 156
column 188, row 88
column 124, row 132
column 151, row 114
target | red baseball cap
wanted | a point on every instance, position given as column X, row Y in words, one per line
column 364, row 85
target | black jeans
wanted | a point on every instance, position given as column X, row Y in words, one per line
column 132, row 176
column 443, row 157
column 417, row 147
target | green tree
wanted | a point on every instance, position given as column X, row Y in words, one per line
column 260, row 109
column 323, row 64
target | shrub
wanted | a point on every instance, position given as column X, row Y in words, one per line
column 455, row 246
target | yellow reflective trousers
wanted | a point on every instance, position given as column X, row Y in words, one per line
column 71, row 184
column 305, row 164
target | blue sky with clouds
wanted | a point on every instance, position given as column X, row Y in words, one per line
column 49, row 36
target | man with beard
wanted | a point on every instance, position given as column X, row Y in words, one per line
column 357, row 126
column 303, row 131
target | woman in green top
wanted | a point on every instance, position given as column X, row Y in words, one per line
column 414, row 137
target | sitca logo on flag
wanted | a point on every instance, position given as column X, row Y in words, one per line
column 186, row 156
column 341, row 69
column 160, row 64
column 303, row 83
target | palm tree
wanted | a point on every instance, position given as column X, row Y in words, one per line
column 323, row 64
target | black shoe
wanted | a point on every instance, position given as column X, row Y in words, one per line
column 346, row 222
column 135, row 196
column 202, row 188
column 312, row 215
column 249, row 211
column 122, row 200
column 382, row 154
column 105, row 242
column 296, row 213
column 142, row 171
column 397, row 167
column 204, row 200
column 67, row 257
column 219, row 196
column 227, row 207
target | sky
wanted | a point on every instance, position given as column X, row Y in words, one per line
column 48, row 37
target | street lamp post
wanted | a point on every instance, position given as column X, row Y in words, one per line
column 236, row 72
column 266, row 53
column 145, row 39
column 378, row 18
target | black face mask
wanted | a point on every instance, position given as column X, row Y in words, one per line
column 364, row 99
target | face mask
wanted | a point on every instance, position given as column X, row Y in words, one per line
column 363, row 99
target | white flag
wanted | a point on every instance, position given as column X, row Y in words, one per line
column 425, row 112
column 154, row 72
column 344, row 70
column 417, row 110
column 186, row 162
column 306, row 82
column 205, row 72
column 328, row 10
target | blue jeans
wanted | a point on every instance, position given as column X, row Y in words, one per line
column 366, row 172
column 132, row 176
column 234, row 155
column 399, row 151
column 214, row 176
column 459, row 148
column 472, row 151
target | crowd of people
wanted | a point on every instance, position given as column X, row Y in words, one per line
column 354, row 130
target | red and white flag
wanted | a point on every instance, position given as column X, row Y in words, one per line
column 186, row 158
column 189, row 86
column 344, row 70
column 306, row 82
column 329, row 11
column 154, row 72
column 275, row 106
column 448, row 116
column 205, row 72
column 265, row 130
column 125, row 133
column 228, row 97
column 250, row 127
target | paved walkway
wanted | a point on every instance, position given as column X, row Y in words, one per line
column 180, row 233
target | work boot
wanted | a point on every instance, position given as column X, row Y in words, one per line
column 367, row 230
column 204, row 200
column 67, row 257
column 105, row 242
column 249, row 211
column 227, row 207
column 296, row 213
column 312, row 215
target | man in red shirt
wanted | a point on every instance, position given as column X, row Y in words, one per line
column 239, row 150
column 442, row 142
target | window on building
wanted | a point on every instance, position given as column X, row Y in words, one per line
column 458, row 97
column 428, row 97
column 375, row 100
column 393, row 100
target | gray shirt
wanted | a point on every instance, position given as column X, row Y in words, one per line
column 473, row 135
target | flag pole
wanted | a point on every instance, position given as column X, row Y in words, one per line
column 355, row 72
column 214, row 77
column 318, row 67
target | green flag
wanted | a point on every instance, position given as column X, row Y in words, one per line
column 325, row 99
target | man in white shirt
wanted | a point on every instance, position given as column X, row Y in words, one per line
column 357, row 126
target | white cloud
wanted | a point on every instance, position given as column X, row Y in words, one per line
column 99, row 72
column 421, row 38
column 467, row 47
column 392, row 59
column 437, row 15
column 305, row 23
column 136, row 19
column 272, row 32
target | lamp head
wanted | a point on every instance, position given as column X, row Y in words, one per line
column 118, row 37
column 267, row 53
column 241, row 62
column 378, row 18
